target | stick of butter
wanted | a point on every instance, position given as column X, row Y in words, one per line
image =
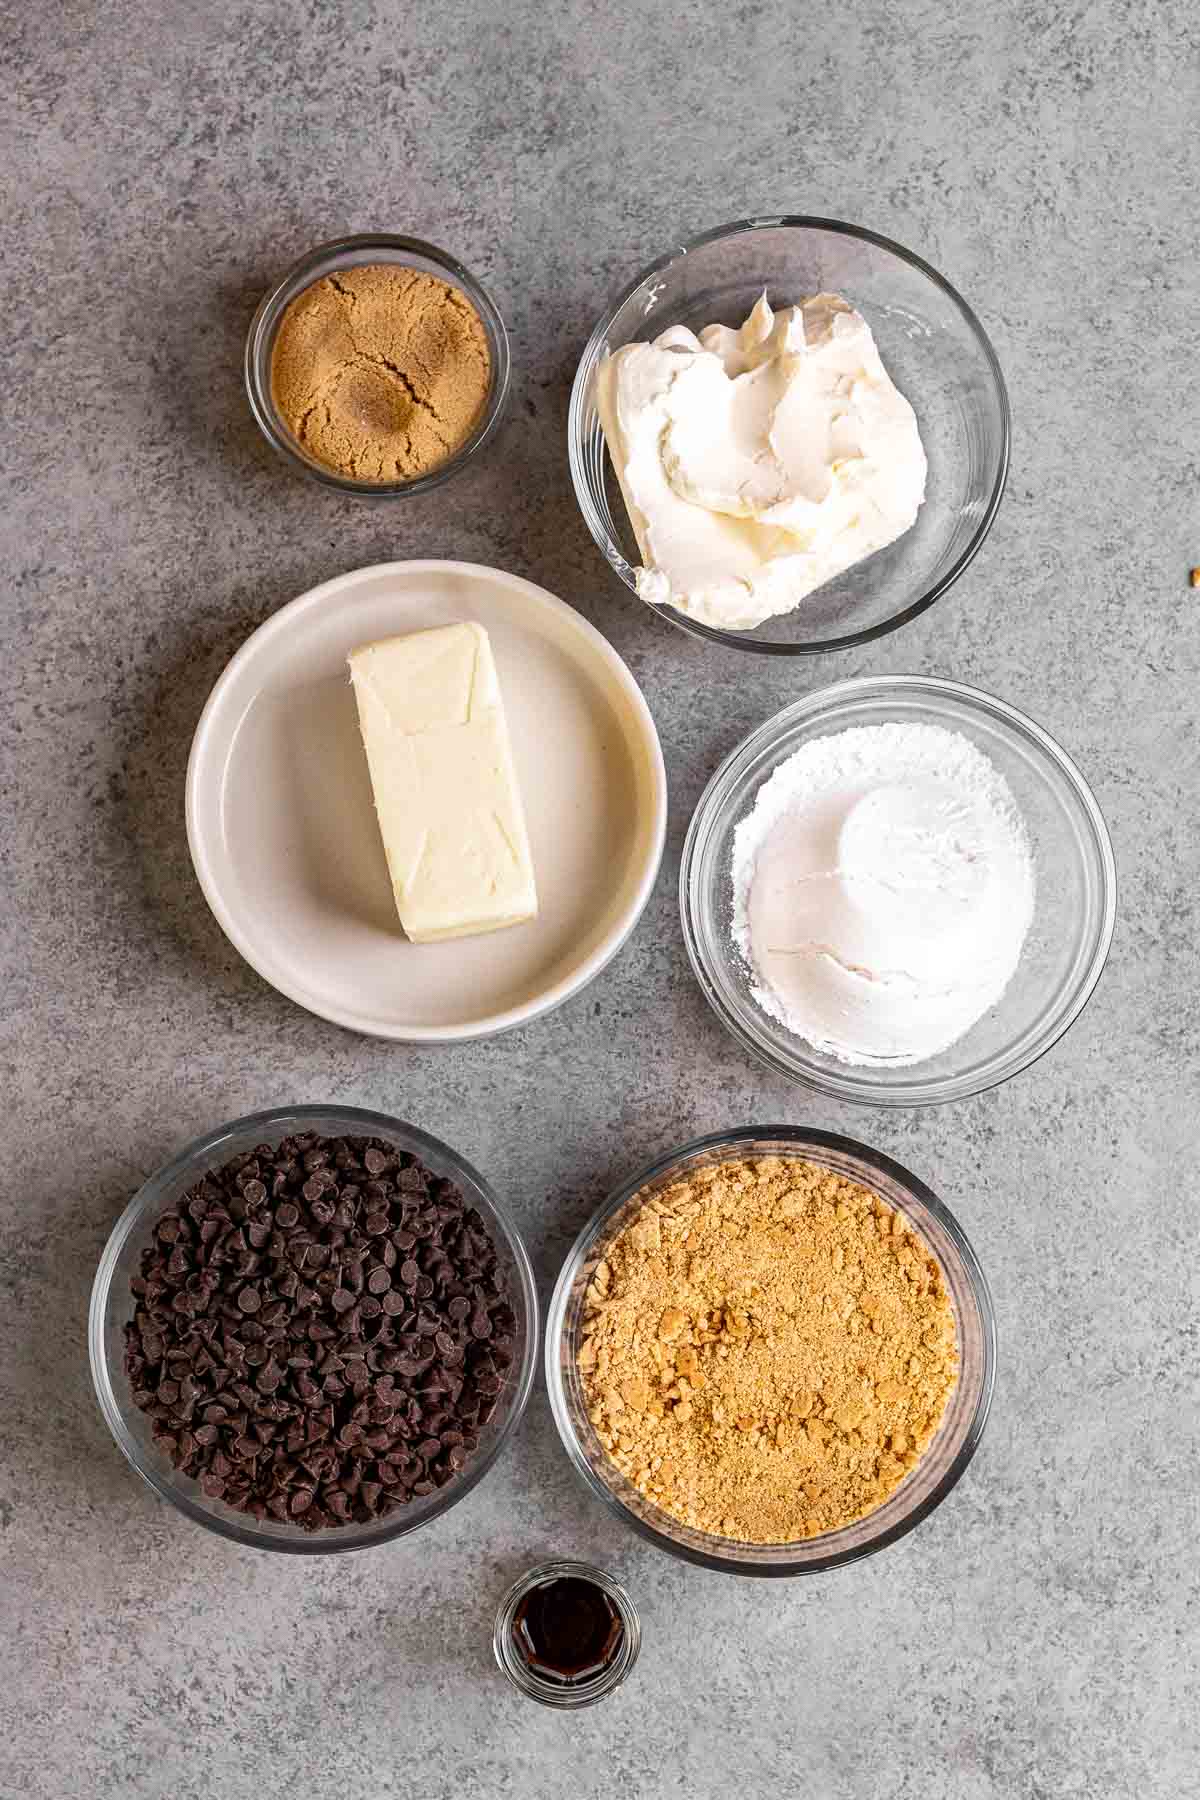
column 445, row 787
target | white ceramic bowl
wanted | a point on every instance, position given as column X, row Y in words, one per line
column 285, row 842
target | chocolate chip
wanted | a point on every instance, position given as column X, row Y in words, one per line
column 269, row 1377
column 277, row 1362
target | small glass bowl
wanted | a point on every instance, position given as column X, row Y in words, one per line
column 935, row 350
column 349, row 253
column 112, row 1304
column 1074, row 902
column 565, row 1696
column 962, row 1423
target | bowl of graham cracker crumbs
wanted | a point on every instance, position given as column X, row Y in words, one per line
column 772, row 1352
column 378, row 365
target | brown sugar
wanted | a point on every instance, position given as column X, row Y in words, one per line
column 767, row 1350
column 382, row 372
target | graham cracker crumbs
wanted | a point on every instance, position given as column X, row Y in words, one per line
column 767, row 1350
column 381, row 372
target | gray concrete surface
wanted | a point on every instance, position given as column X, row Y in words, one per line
column 1037, row 1637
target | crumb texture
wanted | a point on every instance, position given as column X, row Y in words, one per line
column 381, row 372
column 767, row 1350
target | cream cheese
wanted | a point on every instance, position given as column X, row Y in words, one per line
column 445, row 787
column 758, row 463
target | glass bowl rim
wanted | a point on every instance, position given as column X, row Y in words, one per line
column 852, row 1086
column 154, row 1191
column 741, row 640
column 305, row 270
column 732, row 1140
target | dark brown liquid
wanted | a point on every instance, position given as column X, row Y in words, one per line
column 567, row 1629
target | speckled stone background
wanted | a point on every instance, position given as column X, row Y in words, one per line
column 1038, row 1636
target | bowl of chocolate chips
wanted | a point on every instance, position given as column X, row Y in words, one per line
column 314, row 1329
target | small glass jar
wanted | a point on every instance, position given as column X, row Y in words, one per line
column 566, row 1694
column 349, row 253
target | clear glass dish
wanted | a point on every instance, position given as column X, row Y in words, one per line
column 936, row 351
column 112, row 1305
column 1074, row 909
column 348, row 253
column 565, row 1696
column 938, row 1469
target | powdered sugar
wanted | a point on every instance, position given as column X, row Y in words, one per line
column 883, row 888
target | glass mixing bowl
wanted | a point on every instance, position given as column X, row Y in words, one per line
column 1074, row 907
column 935, row 350
column 112, row 1304
column 349, row 253
column 962, row 1423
